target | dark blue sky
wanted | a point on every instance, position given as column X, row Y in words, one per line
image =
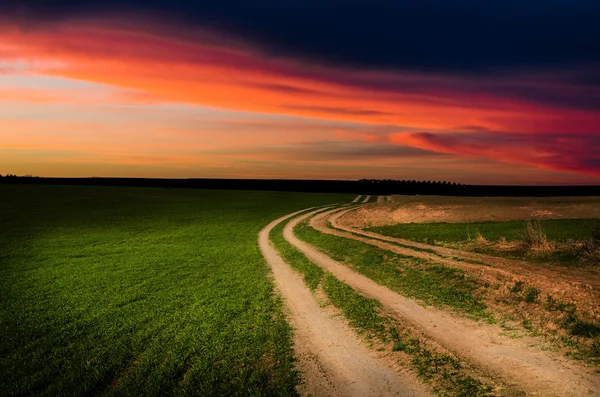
column 465, row 35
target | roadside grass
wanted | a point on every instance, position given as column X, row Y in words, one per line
column 446, row 374
column 142, row 291
column 427, row 250
column 562, row 241
column 559, row 320
column 414, row 277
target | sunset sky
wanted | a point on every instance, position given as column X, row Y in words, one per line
column 469, row 91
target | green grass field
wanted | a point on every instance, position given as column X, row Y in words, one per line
column 142, row 291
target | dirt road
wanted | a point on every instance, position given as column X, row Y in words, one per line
column 579, row 285
column 331, row 358
column 518, row 362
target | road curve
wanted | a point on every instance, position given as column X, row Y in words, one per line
column 520, row 365
column 330, row 356
column 519, row 267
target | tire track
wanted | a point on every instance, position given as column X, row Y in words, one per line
column 330, row 356
column 517, row 362
column 506, row 268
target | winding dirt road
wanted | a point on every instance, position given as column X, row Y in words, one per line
column 521, row 268
column 518, row 362
column 330, row 356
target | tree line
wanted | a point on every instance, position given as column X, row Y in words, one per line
column 362, row 186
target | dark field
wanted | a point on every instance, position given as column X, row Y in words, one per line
column 141, row 291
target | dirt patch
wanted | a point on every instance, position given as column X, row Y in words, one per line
column 426, row 209
column 332, row 360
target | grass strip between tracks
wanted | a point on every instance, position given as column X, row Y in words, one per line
column 413, row 277
column 443, row 371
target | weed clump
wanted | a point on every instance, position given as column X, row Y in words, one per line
column 532, row 294
column 584, row 328
column 518, row 287
column 557, row 305
column 533, row 238
column 596, row 347
column 590, row 248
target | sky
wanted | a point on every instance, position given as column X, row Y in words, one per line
column 471, row 91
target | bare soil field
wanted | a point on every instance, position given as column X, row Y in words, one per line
column 426, row 209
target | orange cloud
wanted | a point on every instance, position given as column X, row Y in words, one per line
column 575, row 153
column 165, row 68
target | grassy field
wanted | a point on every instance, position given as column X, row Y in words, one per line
column 141, row 291
column 563, row 238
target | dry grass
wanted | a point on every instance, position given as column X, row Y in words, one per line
column 534, row 239
column 533, row 243
column 590, row 248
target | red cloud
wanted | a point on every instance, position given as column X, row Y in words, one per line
column 575, row 153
